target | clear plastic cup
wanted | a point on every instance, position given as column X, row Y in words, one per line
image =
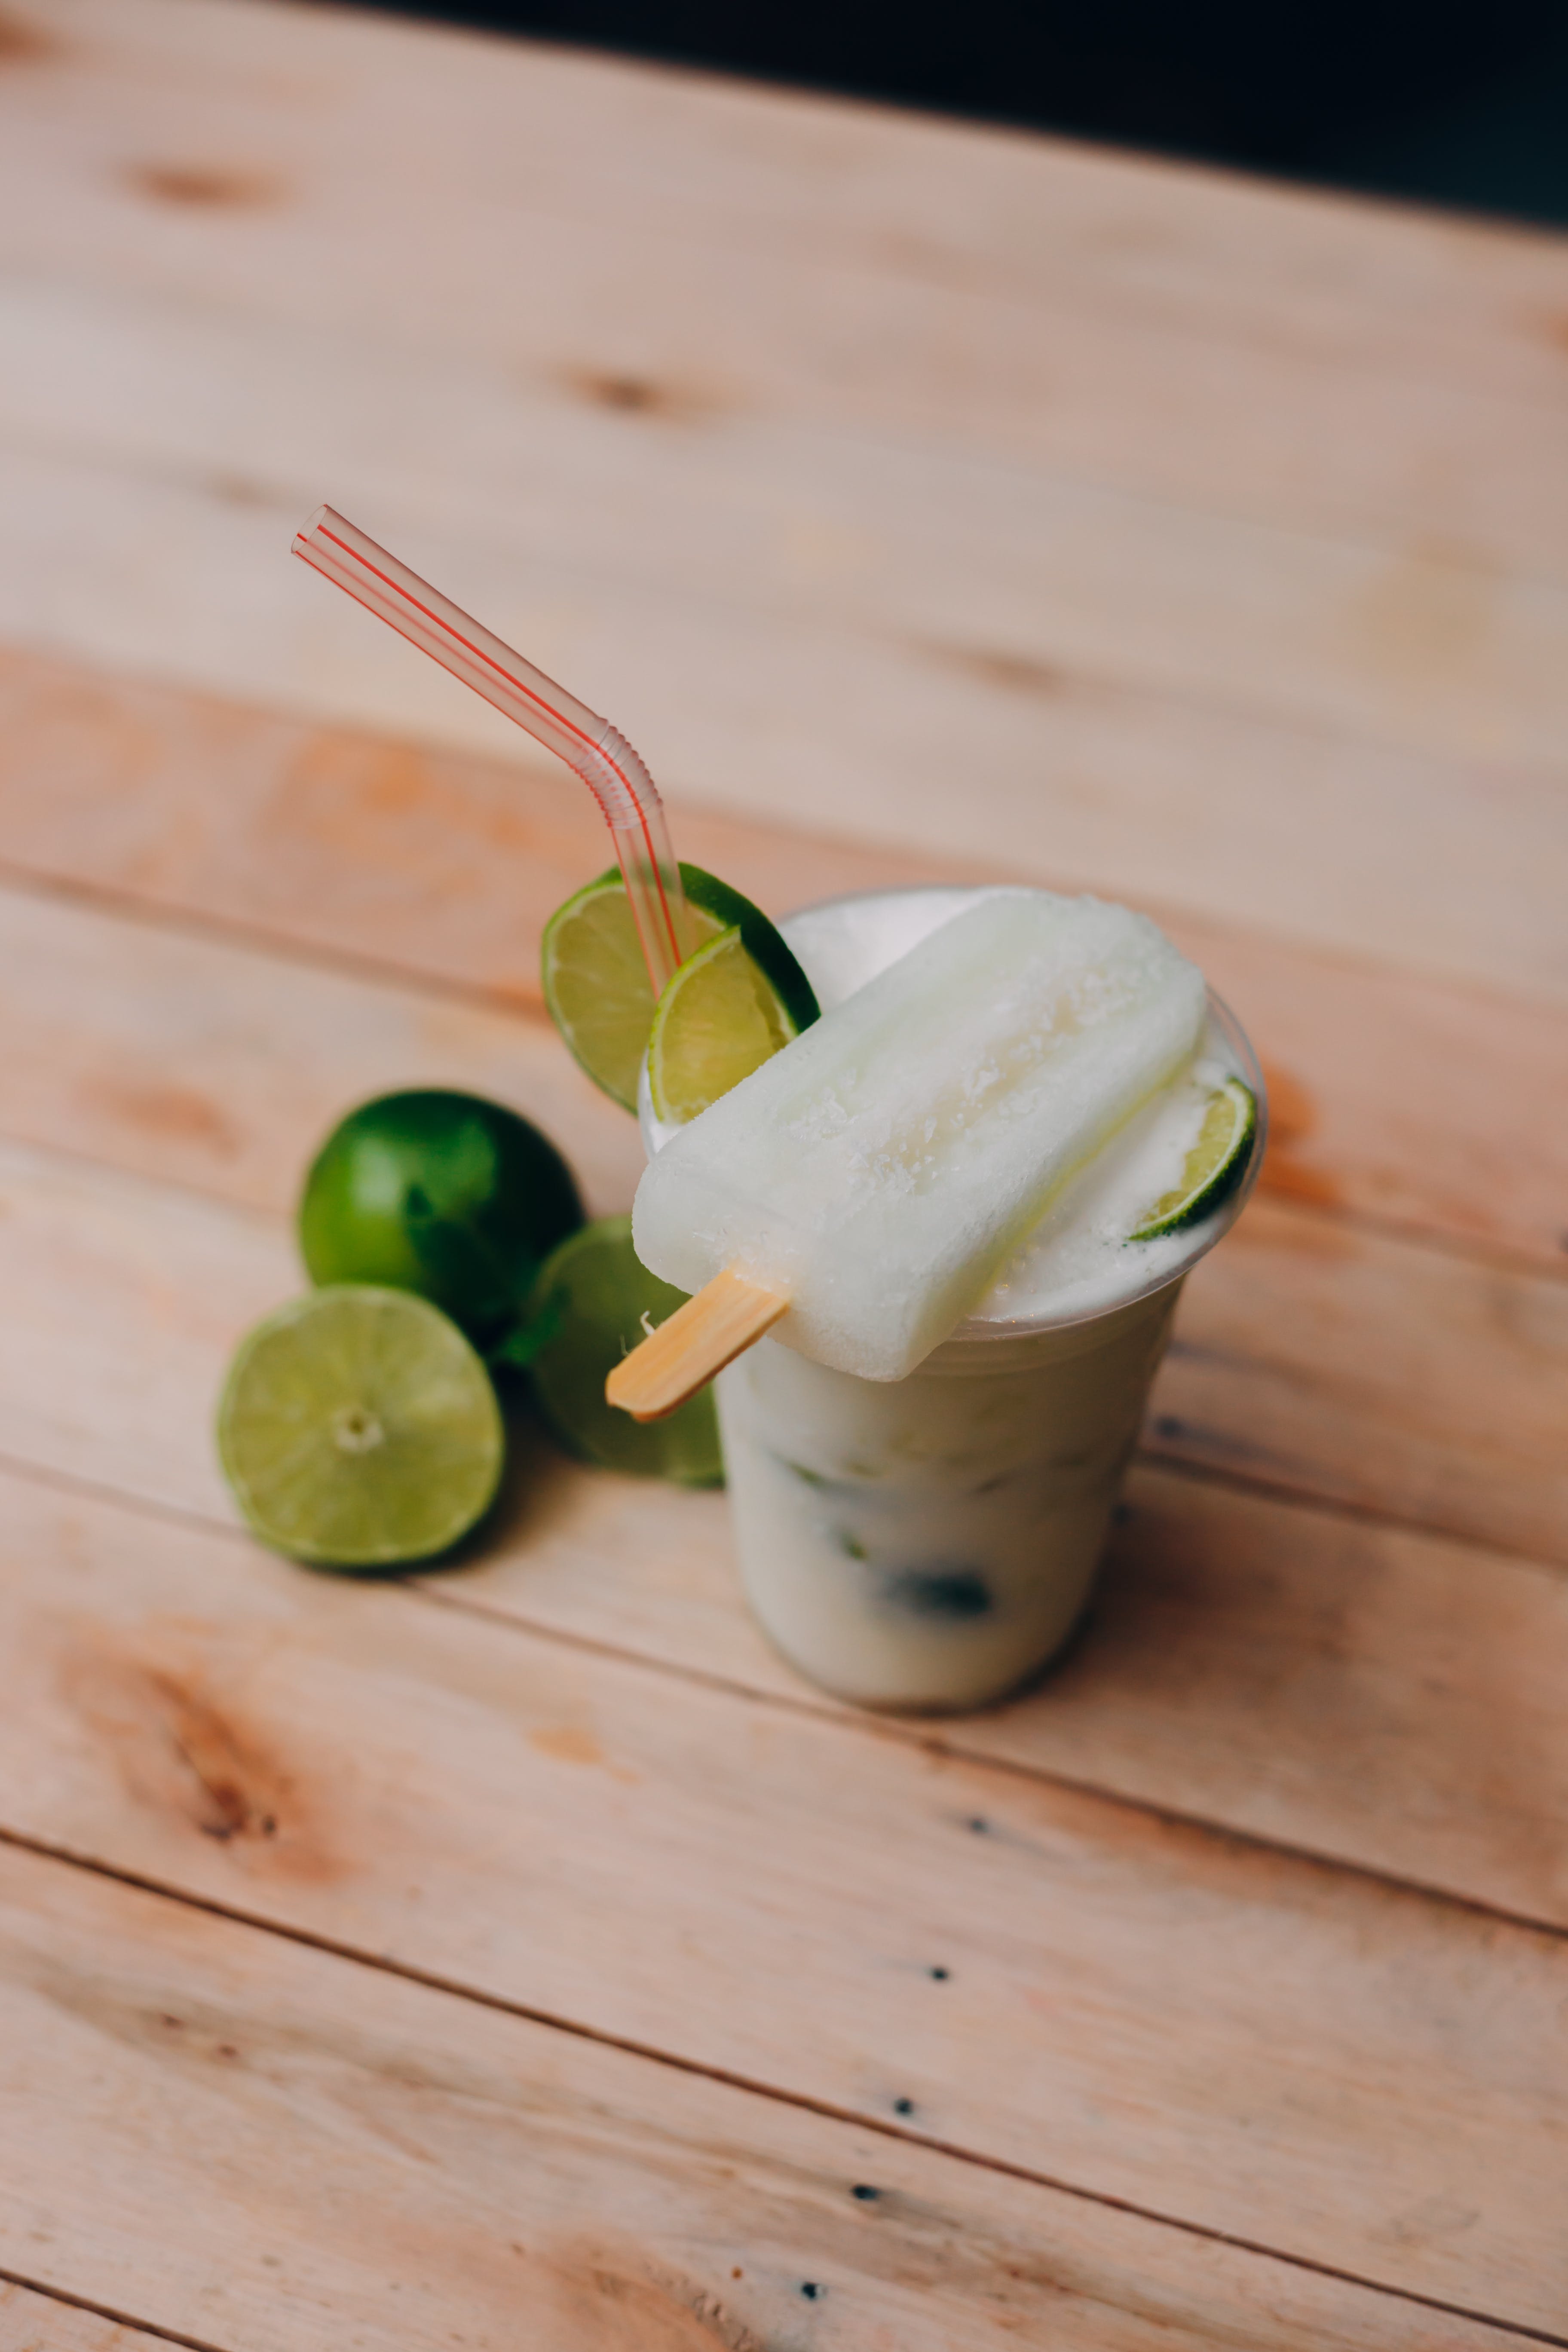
column 929, row 1544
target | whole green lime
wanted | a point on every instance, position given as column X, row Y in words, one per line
column 442, row 1193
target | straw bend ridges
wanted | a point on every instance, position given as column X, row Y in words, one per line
column 617, row 779
column 594, row 751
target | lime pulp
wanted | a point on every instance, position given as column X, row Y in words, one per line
column 1214, row 1166
column 596, row 986
column 358, row 1429
column 717, row 1021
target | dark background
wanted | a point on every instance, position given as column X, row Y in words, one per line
column 1464, row 108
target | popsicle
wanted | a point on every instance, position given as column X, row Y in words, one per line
column 862, row 1188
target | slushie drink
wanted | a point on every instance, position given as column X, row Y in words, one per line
column 920, row 1494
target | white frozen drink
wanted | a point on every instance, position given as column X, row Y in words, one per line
column 925, row 1537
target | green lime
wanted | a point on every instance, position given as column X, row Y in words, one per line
column 359, row 1430
column 592, row 1297
column 439, row 1192
column 717, row 1021
column 597, row 984
column 1215, row 1165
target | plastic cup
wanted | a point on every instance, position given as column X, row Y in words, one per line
column 929, row 1544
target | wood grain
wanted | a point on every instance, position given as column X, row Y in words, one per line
column 446, row 868
column 1381, row 1698
column 847, row 537
column 1244, row 2041
column 38, row 2323
column 848, row 264
column 221, row 1069
column 353, row 2158
column 124, row 1298
column 1204, row 542
column 1376, row 1373
column 722, row 443
column 1142, row 788
column 1308, row 1357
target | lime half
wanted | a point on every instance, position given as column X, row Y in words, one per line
column 597, row 984
column 359, row 1430
column 592, row 1297
column 1214, row 1166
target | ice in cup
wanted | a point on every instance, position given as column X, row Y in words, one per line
column 927, row 1541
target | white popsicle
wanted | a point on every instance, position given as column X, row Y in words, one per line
column 879, row 1170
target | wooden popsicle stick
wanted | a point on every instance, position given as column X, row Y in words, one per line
column 726, row 1317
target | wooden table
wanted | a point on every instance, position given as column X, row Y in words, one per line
column 521, row 1956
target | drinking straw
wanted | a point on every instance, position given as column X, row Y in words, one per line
column 590, row 745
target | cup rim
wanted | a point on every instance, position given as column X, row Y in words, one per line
column 976, row 1331
column 982, row 1331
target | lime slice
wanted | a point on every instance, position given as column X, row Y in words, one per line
column 359, row 1430
column 441, row 1192
column 1214, row 1167
column 596, row 985
column 717, row 1021
column 593, row 1296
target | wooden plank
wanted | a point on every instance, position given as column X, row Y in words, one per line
column 1244, row 2041
column 125, row 1296
column 1141, row 791
column 1110, row 665
column 861, row 538
column 1245, row 1661
column 765, row 172
column 1407, row 1102
column 38, row 2323
column 357, row 2159
column 1318, row 1358
column 933, row 730
column 138, row 1292
column 214, row 1066
column 743, row 248
column 1437, row 643
column 1384, row 1086
column 217, row 1067
column 1353, row 1689
column 1309, row 1356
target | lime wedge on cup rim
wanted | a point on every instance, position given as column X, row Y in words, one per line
column 592, row 1297
column 1215, row 1165
column 718, row 1020
column 359, row 1430
column 597, row 984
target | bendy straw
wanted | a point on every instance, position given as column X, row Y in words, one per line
column 590, row 745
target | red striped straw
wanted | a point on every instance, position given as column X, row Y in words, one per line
column 590, row 745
